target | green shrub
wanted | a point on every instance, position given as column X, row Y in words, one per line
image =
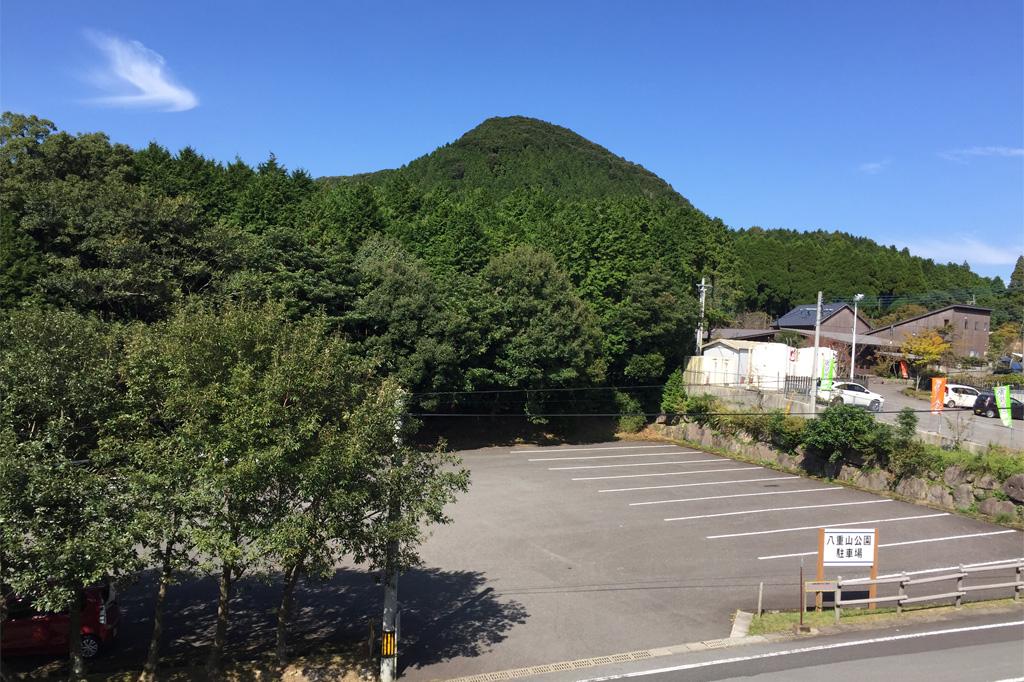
column 913, row 458
column 632, row 417
column 704, row 410
column 787, row 432
column 673, row 396
column 996, row 460
column 844, row 433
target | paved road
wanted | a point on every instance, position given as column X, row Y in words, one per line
column 970, row 426
column 591, row 550
column 983, row 648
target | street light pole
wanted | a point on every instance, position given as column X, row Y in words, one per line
column 853, row 347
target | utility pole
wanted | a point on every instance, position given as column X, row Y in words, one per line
column 853, row 347
column 391, row 618
column 702, row 287
column 814, row 360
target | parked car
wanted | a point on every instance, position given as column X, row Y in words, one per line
column 850, row 393
column 27, row 631
column 986, row 404
column 958, row 395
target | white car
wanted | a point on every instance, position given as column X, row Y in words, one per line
column 958, row 395
column 849, row 393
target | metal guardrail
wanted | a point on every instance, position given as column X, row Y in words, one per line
column 904, row 581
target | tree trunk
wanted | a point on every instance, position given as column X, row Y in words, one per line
column 76, row 662
column 153, row 657
column 213, row 664
column 284, row 609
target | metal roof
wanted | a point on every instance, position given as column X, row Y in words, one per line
column 803, row 315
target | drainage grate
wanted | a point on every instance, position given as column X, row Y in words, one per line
column 716, row 643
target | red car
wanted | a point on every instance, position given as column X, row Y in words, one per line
column 30, row 632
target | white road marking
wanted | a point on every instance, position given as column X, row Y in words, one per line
column 642, row 464
column 821, row 525
column 805, row 650
column 645, row 454
column 723, row 497
column 617, row 447
column 670, row 473
column 691, row 485
column 899, row 544
column 765, row 511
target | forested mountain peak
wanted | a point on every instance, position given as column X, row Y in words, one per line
column 507, row 153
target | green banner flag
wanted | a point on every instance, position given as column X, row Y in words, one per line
column 1002, row 394
column 828, row 372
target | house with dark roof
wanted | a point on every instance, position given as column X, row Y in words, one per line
column 835, row 317
column 965, row 326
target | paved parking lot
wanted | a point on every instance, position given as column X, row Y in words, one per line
column 621, row 546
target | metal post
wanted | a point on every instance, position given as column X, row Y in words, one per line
column 803, row 597
column 760, row 594
column 837, row 605
column 700, row 322
column 389, row 631
column 902, row 594
column 960, row 588
column 853, row 347
column 389, row 622
column 814, row 358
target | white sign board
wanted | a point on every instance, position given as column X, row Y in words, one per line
column 849, row 547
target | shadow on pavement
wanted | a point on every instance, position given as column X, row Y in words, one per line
column 445, row 615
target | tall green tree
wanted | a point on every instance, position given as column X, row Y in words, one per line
column 64, row 520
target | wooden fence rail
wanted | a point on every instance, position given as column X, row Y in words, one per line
column 904, row 581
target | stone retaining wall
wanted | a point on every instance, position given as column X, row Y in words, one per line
column 954, row 490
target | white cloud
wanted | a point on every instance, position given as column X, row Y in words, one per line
column 138, row 77
column 874, row 167
column 962, row 155
column 966, row 249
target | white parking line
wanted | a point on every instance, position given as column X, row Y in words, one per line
column 645, row 454
column 821, row 525
column 642, row 464
column 765, row 511
column 617, row 447
column 691, row 485
column 723, row 497
column 899, row 544
column 670, row 473
column 951, row 537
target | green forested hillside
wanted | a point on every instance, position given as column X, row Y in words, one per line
column 505, row 155
column 782, row 268
column 521, row 256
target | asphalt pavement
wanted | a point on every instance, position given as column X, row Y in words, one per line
column 593, row 550
column 952, row 421
column 981, row 648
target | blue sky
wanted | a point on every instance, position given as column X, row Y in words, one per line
column 902, row 122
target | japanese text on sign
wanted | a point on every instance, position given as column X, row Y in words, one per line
column 849, row 547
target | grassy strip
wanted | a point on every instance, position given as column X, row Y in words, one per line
column 784, row 621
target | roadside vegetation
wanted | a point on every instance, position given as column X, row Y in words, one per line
column 841, row 435
column 784, row 621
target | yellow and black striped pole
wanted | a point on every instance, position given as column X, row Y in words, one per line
column 388, row 645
